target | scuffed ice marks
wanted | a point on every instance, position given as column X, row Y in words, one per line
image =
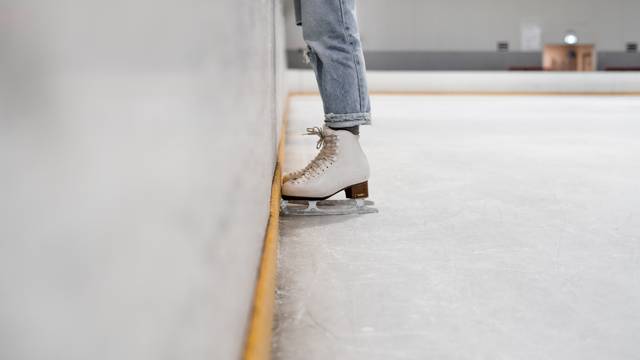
column 507, row 230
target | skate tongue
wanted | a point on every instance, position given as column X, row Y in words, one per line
column 329, row 131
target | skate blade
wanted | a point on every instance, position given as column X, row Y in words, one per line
column 326, row 207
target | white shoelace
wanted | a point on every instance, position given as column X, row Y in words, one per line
column 328, row 146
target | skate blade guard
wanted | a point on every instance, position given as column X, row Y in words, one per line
column 326, row 207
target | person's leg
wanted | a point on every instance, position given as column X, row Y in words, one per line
column 331, row 33
column 330, row 29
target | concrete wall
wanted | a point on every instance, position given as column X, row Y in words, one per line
column 137, row 147
column 468, row 25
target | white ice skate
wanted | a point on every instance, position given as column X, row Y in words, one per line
column 340, row 165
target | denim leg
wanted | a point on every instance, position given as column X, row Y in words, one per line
column 330, row 29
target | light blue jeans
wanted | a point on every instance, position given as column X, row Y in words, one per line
column 330, row 29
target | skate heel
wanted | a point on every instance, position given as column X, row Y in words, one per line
column 358, row 191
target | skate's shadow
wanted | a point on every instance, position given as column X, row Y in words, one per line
column 303, row 222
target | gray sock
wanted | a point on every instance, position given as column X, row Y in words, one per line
column 355, row 130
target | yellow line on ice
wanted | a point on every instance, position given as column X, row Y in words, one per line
column 260, row 333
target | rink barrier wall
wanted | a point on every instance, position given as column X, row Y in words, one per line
column 480, row 93
column 260, row 332
column 467, row 60
column 484, row 83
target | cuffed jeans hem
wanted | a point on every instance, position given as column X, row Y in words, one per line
column 347, row 120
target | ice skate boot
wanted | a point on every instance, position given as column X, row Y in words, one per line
column 339, row 166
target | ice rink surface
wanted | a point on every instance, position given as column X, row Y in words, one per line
column 509, row 228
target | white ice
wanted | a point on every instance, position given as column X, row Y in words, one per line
column 509, row 228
